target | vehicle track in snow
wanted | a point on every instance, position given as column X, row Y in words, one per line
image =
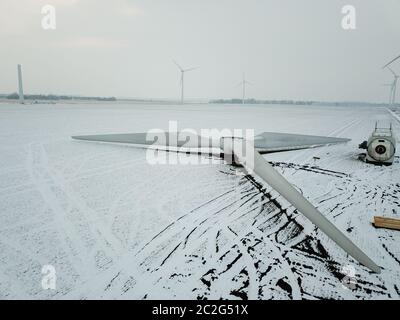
column 181, row 244
column 243, row 236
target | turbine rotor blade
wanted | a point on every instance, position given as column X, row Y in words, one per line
column 189, row 69
column 183, row 141
column 390, row 62
column 176, row 63
column 265, row 171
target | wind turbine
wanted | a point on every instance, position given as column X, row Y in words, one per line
column 230, row 149
column 183, row 78
column 243, row 83
column 393, row 87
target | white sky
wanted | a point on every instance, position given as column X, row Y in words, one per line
column 289, row 49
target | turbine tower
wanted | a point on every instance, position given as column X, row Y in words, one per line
column 243, row 83
column 182, row 79
column 393, row 88
column 390, row 92
column 20, row 88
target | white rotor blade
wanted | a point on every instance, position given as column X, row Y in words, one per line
column 180, row 68
column 390, row 62
column 265, row 171
column 190, row 69
column 183, row 142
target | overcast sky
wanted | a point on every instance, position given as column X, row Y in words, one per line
column 289, row 49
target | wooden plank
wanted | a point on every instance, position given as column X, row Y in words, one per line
column 388, row 223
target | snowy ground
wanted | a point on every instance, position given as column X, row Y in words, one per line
column 114, row 226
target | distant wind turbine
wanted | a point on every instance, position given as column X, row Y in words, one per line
column 393, row 87
column 243, row 83
column 183, row 78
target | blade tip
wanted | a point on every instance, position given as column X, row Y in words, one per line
column 78, row 137
column 376, row 269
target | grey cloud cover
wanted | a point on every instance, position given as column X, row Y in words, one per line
column 289, row 49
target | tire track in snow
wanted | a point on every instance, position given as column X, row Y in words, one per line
column 63, row 225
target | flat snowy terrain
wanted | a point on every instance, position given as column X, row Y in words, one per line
column 114, row 226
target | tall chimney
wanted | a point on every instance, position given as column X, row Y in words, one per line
column 20, row 88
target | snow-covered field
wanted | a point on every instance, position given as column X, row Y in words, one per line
column 114, row 226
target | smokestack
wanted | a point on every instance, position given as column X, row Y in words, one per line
column 20, row 88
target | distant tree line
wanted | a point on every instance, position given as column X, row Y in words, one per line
column 295, row 102
column 254, row 101
column 15, row 96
